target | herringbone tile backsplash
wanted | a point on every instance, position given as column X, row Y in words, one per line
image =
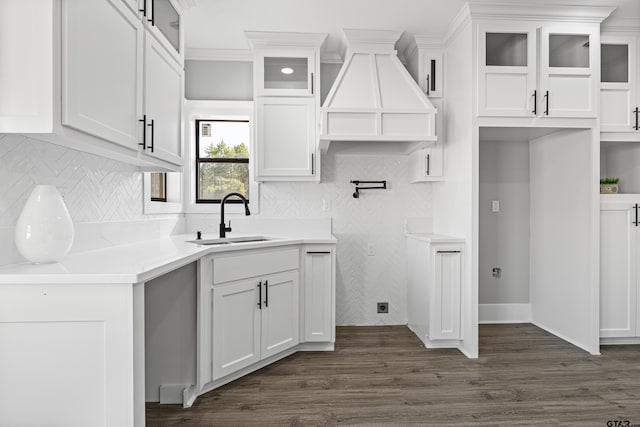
column 376, row 218
column 98, row 190
column 94, row 188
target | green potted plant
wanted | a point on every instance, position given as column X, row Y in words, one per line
column 609, row 185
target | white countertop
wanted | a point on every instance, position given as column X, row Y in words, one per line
column 132, row 263
column 434, row 238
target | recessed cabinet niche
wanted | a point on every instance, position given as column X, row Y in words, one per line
column 532, row 70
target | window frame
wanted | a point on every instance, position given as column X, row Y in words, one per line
column 219, row 110
column 199, row 161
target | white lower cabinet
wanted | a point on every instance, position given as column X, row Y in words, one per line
column 248, row 309
column 319, row 294
column 253, row 319
column 619, row 260
column 434, row 290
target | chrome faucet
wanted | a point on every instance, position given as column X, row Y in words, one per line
column 223, row 227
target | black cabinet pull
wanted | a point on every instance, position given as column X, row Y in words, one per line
column 152, row 13
column 260, row 295
column 636, row 221
column 311, row 83
column 144, row 131
column 535, row 102
column 428, row 164
column 266, row 293
column 546, row 97
column 318, row 252
column 428, row 86
column 313, row 164
column 144, row 8
column 151, row 125
column 448, row 252
column 636, row 126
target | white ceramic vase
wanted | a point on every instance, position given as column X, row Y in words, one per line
column 44, row 231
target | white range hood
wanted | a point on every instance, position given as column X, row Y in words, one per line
column 375, row 106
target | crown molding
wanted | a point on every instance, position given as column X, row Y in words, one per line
column 621, row 25
column 539, row 11
column 202, row 54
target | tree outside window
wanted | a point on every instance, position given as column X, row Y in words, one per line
column 222, row 159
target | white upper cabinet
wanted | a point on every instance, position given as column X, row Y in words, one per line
column 286, row 67
column 286, row 141
column 102, row 88
column 527, row 69
column 164, row 20
column 286, row 73
column 163, row 99
column 83, row 83
column 619, row 76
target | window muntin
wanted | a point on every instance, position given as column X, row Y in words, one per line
column 222, row 159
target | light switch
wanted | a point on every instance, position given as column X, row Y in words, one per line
column 495, row 206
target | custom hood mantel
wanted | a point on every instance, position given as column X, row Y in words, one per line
column 375, row 100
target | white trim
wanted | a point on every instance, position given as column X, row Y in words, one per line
column 569, row 340
column 274, row 39
column 205, row 54
column 174, row 195
column 537, row 12
column 228, row 110
column 504, row 313
column 620, row 341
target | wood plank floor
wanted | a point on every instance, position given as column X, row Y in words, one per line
column 383, row 376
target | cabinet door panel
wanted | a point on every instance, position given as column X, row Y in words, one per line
column 318, row 296
column 280, row 313
column 568, row 57
column 102, row 70
column 286, row 137
column 506, row 70
column 618, row 87
column 445, row 318
column 236, row 327
column 618, row 272
column 163, row 102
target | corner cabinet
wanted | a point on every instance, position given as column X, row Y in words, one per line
column 529, row 69
column 287, row 100
column 74, row 94
column 434, row 289
column 619, row 79
column 249, row 309
column 619, row 261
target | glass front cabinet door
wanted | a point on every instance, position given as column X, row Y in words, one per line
column 507, row 71
column 286, row 73
column 567, row 84
column 618, row 83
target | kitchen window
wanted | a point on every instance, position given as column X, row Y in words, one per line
column 222, row 159
column 158, row 187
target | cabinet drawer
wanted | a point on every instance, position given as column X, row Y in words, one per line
column 236, row 267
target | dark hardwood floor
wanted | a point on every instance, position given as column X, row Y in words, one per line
column 383, row 376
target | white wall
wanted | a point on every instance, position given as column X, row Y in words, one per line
column 504, row 235
column 222, row 80
column 564, row 257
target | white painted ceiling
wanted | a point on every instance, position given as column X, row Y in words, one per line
column 220, row 24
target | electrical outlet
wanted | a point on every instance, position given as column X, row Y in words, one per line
column 371, row 249
column 496, row 272
column 495, row 206
column 383, row 307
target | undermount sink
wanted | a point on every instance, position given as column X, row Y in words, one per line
column 230, row 240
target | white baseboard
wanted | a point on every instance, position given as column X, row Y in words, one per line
column 504, row 313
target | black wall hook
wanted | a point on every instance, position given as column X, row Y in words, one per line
column 380, row 185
